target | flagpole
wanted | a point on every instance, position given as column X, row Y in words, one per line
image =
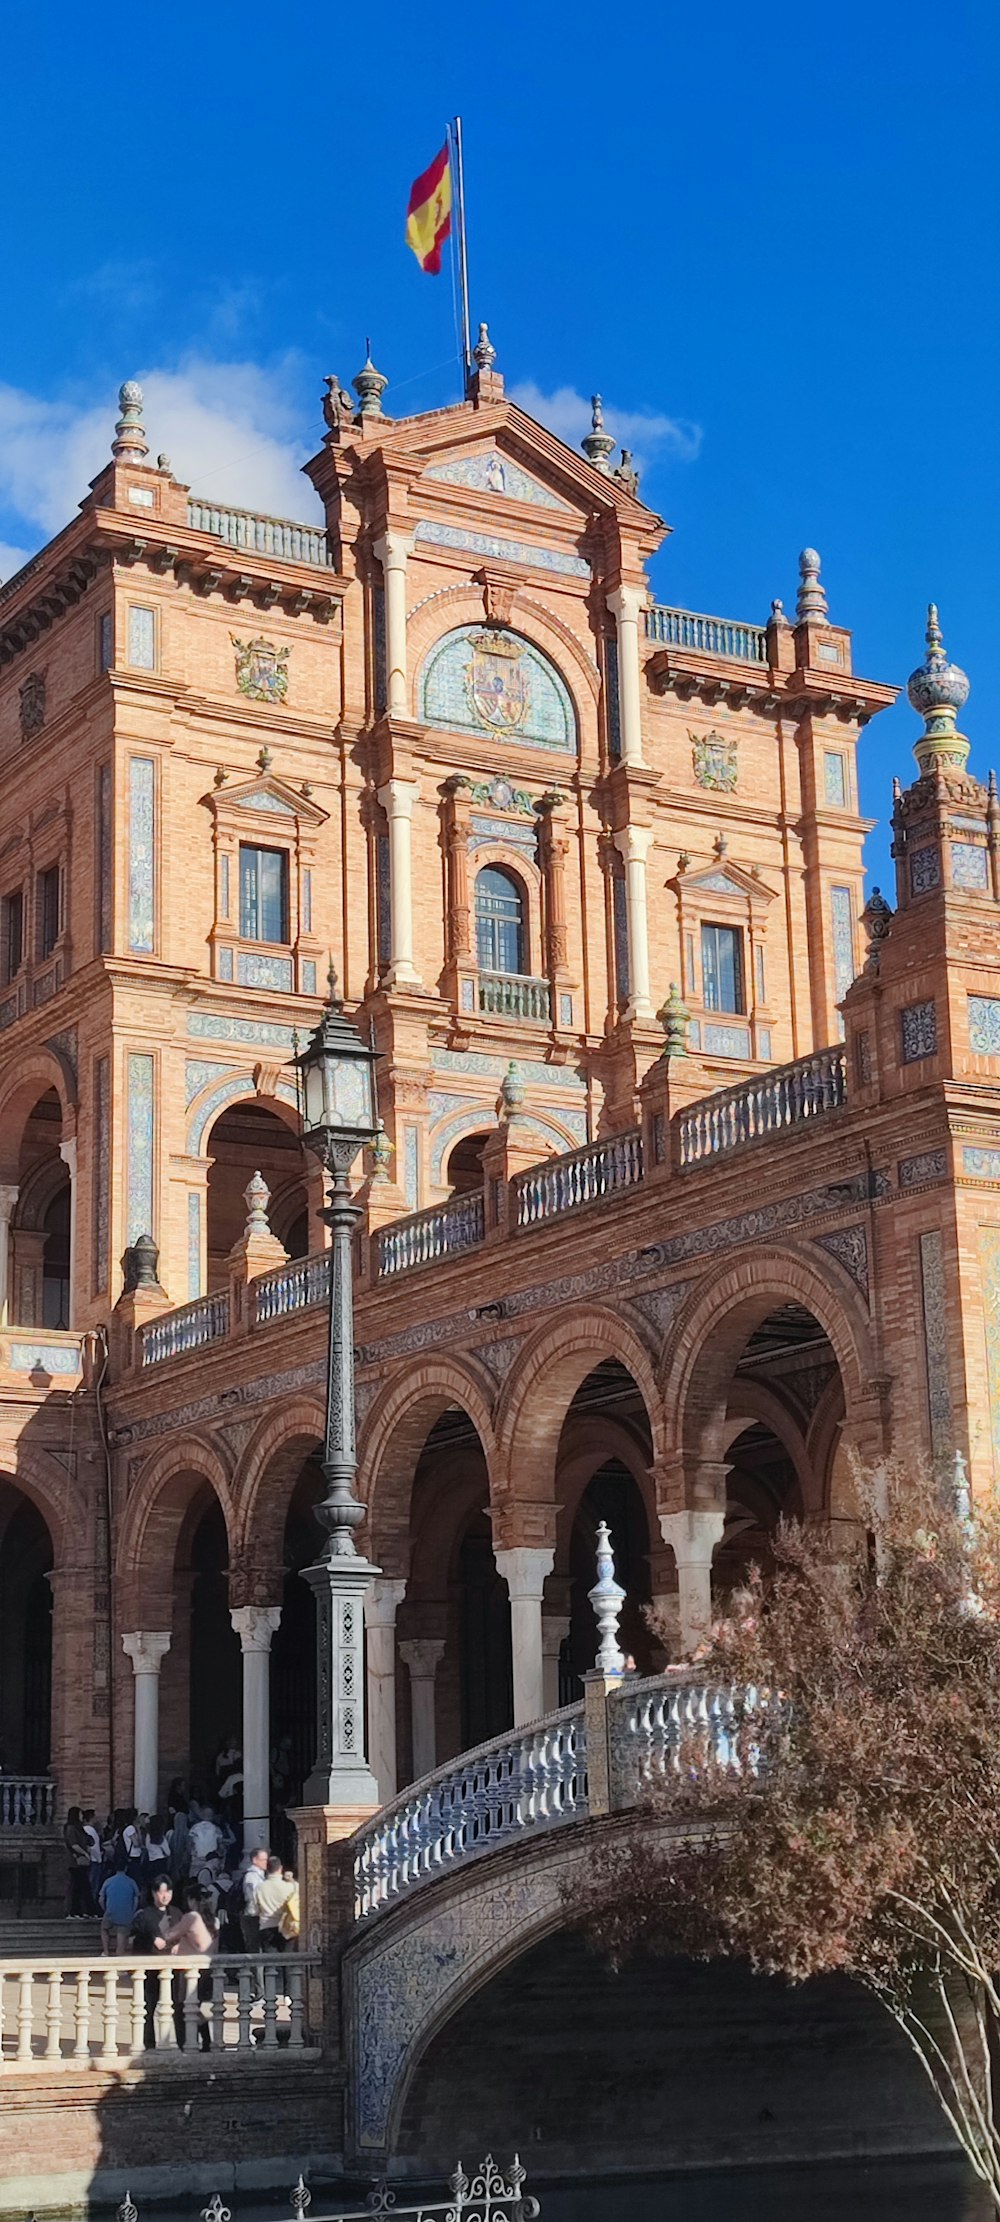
column 463, row 262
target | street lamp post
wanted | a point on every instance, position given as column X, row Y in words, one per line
column 339, row 1118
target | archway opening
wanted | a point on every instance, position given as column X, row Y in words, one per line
column 248, row 1138
column 454, row 1684
column 26, row 1560
column 464, row 1172
column 216, row 1695
column 605, row 1450
column 293, row 1657
column 40, row 1227
column 784, row 1412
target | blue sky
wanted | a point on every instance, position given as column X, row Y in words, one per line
column 767, row 235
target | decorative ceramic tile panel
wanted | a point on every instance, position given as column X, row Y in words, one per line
column 225, row 964
column 479, row 1061
column 719, row 883
column 106, row 641
column 199, row 1073
column 307, row 901
column 936, row 1341
column 141, row 639
column 984, row 1025
column 565, row 1010
column 309, row 976
column 234, row 1090
column 842, row 925
column 486, row 679
column 619, row 898
column 694, row 1034
column 102, row 1173
column 916, row 1172
column 411, row 1166
column 968, row 865
column 509, row 830
column 834, row 780
column 494, row 473
column 918, row 1026
column 253, row 970
column 468, row 995
column 267, row 802
column 612, row 684
column 140, row 1113
column 259, row 1033
column 925, row 869
column 104, row 898
column 764, row 1038
column 726, row 1041
column 224, row 886
column 194, row 1244
column 378, row 643
column 141, row 854
column 505, row 551
column 849, row 1245
column 43, row 1357
column 981, row 1164
column 383, row 898
column 989, row 1270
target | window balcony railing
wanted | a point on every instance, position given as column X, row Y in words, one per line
column 709, row 636
column 459, row 1224
column 515, row 995
column 782, row 1097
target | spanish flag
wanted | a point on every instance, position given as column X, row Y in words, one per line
column 428, row 217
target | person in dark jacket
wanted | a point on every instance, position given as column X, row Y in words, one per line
column 151, row 1922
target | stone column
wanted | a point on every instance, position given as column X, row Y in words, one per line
column 255, row 1625
column 626, row 603
column 555, row 1629
column 397, row 798
column 8, row 1205
column 392, row 551
column 423, row 1657
column 67, row 1151
column 692, row 1537
column 381, row 1606
column 633, row 847
column 147, row 1650
column 525, row 1568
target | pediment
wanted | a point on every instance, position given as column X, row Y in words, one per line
column 266, row 797
column 473, row 449
column 727, row 879
column 489, row 470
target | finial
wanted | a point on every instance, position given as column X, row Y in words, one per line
column 597, row 444
column 811, row 604
column 607, row 1598
column 128, row 2211
column 778, row 613
column 512, row 1091
column 721, row 845
column 675, row 1018
column 484, row 353
column 264, row 759
column 382, row 1151
column 369, row 385
column 129, row 443
column 332, row 997
column 876, row 919
column 256, row 1197
column 938, row 690
column 300, row 2199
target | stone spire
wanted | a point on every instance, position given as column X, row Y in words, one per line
column 597, row 444
column 938, row 690
column 484, row 353
column 129, row 443
column 369, row 385
column 810, row 608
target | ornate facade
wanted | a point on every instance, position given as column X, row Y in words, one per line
column 680, row 1197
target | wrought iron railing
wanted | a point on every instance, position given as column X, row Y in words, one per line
column 490, row 2194
column 712, row 636
column 513, row 995
column 782, row 1097
column 294, row 1287
column 426, row 1236
column 69, row 2012
column 532, row 1779
column 188, row 1328
column 27, row 1801
column 580, row 1177
column 273, row 536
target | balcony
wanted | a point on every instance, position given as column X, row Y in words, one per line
column 271, row 536
column 515, row 995
column 707, row 636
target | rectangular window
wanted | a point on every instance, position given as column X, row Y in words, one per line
column 12, row 930
column 263, row 894
column 47, row 910
column 834, row 780
column 722, row 968
column 106, row 641
column 141, row 638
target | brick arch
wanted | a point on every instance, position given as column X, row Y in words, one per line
column 394, row 1438
column 708, row 1336
column 154, row 1518
column 452, row 606
column 34, row 1076
column 49, row 1488
column 266, row 1475
column 542, row 1385
column 236, row 1087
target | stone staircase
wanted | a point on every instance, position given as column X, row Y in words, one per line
column 37, row 1938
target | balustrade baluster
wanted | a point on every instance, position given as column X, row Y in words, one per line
column 244, row 2002
column 218, row 2005
column 24, row 2013
column 270, row 2036
column 296, row 2006
column 108, row 1981
column 53, row 2015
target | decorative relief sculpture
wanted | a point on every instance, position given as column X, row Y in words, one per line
column 32, row 704
column 716, row 762
column 261, row 669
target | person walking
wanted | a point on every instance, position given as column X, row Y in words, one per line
column 249, row 1918
column 78, row 1866
column 119, row 1904
column 151, row 1922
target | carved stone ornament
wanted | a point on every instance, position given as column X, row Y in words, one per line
column 261, row 669
column 500, row 795
column 498, row 599
column 32, row 704
column 715, row 760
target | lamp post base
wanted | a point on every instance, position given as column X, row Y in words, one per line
column 341, row 1777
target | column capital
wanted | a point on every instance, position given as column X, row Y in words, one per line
column 393, row 548
column 67, row 1151
column 147, row 1649
column 633, row 843
column 255, row 1625
column 398, row 796
column 525, row 1568
column 692, row 1536
column 423, row 1656
column 382, row 1603
column 626, row 603
column 8, row 1200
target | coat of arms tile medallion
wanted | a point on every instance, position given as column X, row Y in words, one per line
column 716, row 762
column 261, row 669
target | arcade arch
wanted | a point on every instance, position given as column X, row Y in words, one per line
column 256, row 1137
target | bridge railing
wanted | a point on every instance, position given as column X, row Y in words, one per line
column 534, row 1778
column 667, row 1725
column 66, row 2013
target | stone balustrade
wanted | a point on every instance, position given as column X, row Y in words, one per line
column 512, row 995
column 273, row 536
column 709, row 636
column 190, row 1327
column 782, row 1097
column 426, row 1236
column 663, row 1726
column 67, row 2013
column 294, row 1287
column 27, row 1801
column 580, row 1177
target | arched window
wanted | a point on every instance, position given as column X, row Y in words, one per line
column 499, row 921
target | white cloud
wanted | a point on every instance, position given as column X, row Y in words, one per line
column 11, row 559
column 231, row 431
column 648, row 434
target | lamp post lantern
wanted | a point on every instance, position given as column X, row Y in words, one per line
column 339, row 1118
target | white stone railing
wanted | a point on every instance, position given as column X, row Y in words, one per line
column 294, row 1287
column 781, row 1097
column 514, row 995
column 711, row 636
column 533, row 1778
column 27, row 1801
column 580, row 1177
column 188, row 1328
column 426, row 1236
column 664, row 1725
column 64, row 2013
column 274, row 536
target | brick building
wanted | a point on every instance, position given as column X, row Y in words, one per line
column 446, row 738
